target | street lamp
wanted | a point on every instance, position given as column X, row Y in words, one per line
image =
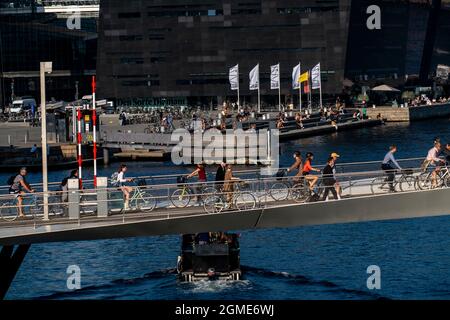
column 45, row 67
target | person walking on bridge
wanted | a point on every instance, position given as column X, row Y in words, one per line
column 329, row 181
column 389, row 165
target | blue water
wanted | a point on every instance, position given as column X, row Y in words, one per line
column 317, row 262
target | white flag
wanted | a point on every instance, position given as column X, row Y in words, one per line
column 295, row 77
column 254, row 78
column 275, row 76
column 315, row 77
column 234, row 77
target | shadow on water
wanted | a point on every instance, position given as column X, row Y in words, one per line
column 166, row 279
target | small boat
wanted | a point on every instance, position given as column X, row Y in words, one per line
column 209, row 256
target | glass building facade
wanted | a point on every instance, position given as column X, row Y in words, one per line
column 29, row 34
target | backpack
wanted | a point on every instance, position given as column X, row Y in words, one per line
column 10, row 180
column 115, row 179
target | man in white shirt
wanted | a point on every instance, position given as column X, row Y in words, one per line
column 434, row 160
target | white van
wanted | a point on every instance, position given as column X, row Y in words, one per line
column 22, row 105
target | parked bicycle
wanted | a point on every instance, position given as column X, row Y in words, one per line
column 406, row 182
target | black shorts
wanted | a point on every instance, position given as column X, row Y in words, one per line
column 306, row 173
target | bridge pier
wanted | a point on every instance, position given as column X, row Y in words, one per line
column 10, row 262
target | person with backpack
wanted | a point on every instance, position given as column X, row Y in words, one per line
column 118, row 180
column 19, row 186
column 64, row 184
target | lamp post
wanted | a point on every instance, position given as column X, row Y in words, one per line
column 45, row 67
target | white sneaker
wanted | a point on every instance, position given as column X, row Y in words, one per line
column 326, row 199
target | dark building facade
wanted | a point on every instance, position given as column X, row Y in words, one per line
column 179, row 51
column 30, row 33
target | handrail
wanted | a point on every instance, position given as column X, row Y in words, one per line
column 237, row 172
column 262, row 189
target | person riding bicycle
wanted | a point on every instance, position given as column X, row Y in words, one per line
column 307, row 169
column 298, row 164
column 121, row 181
column 64, row 184
column 433, row 160
column 446, row 153
column 19, row 187
column 388, row 166
column 201, row 173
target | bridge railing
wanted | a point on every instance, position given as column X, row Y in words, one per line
column 167, row 200
column 341, row 168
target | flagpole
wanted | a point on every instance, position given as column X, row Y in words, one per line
column 279, row 87
column 320, row 87
column 300, row 87
column 310, row 91
column 259, row 100
column 238, row 89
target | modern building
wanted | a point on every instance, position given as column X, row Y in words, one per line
column 178, row 51
column 32, row 31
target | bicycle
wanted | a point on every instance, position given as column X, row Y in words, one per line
column 424, row 181
column 141, row 200
column 297, row 188
column 9, row 210
column 182, row 196
column 406, row 182
column 241, row 200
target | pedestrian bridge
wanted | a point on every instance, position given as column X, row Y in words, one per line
column 267, row 202
column 259, row 202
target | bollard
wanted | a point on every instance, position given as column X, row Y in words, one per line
column 102, row 197
column 106, row 156
column 74, row 198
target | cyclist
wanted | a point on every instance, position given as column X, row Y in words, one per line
column 307, row 169
column 434, row 161
column 18, row 187
column 121, row 180
column 388, row 166
column 298, row 164
column 201, row 173
column 64, row 187
column 446, row 153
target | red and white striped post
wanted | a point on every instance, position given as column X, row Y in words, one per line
column 79, row 155
column 94, row 129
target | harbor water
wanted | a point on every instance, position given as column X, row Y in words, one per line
column 315, row 262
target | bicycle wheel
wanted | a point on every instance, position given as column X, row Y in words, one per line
column 208, row 191
column 279, row 191
column 146, row 203
column 424, row 181
column 213, row 204
column 181, row 198
column 8, row 211
column 379, row 185
column 447, row 181
column 299, row 192
column 407, row 183
column 245, row 201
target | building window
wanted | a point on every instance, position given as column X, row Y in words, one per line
column 126, row 15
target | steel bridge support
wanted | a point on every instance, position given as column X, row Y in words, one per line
column 10, row 262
